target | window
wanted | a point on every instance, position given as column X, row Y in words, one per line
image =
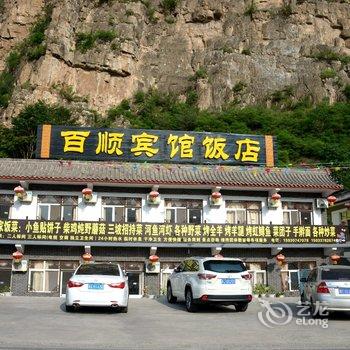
column 295, row 213
column 223, row 266
column 47, row 276
column 57, row 208
column 182, row 211
column 6, row 202
column 99, row 269
column 43, row 276
column 258, row 272
column 238, row 212
column 117, row 209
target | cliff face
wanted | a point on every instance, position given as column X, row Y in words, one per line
column 100, row 52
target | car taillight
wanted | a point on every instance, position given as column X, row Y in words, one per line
column 206, row 276
column 120, row 285
column 247, row 276
column 322, row 288
column 72, row 284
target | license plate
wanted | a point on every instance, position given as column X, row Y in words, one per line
column 344, row 290
column 95, row 286
column 228, row 281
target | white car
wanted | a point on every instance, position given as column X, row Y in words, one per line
column 98, row 284
column 224, row 281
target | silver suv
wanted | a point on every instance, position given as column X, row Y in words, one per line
column 327, row 287
column 224, row 281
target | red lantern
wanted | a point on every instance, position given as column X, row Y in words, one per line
column 276, row 197
column 153, row 258
column 87, row 193
column 335, row 258
column 20, row 191
column 216, row 195
column 87, row 257
column 331, row 200
column 17, row 256
column 154, row 194
column 280, row 257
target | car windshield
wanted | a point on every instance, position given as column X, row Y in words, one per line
column 224, row 266
column 100, row 269
column 336, row 274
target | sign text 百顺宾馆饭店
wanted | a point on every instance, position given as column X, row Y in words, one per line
column 63, row 142
column 39, row 230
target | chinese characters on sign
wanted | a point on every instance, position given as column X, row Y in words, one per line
column 164, row 233
column 154, row 145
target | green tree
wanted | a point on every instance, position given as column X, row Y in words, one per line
column 20, row 140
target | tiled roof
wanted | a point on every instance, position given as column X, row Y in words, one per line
column 141, row 173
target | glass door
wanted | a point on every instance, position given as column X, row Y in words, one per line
column 293, row 280
column 65, row 276
column 135, row 285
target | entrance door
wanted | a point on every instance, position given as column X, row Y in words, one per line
column 293, row 280
column 134, row 282
column 65, row 276
column 5, row 280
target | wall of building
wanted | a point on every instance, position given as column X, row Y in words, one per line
column 169, row 256
column 156, row 214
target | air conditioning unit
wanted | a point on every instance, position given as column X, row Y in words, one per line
column 321, row 203
column 27, row 198
column 92, row 200
column 152, row 267
column 21, row 266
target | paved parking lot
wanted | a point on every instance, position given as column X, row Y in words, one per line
column 42, row 323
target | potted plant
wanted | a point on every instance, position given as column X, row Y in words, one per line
column 270, row 291
column 5, row 290
column 279, row 295
column 259, row 290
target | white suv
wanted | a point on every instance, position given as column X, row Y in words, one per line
column 224, row 281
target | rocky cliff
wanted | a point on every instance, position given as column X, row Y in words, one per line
column 95, row 53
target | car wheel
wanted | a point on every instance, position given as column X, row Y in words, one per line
column 69, row 308
column 169, row 295
column 190, row 306
column 241, row 307
column 124, row 310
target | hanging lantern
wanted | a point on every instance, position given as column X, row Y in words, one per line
column 331, row 200
column 87, row 193
column 153, row 197
column 216, row 196
column 20, row 192
column 335, row 258
column 153, row 258
column 280, row 259
column 17, row 256
column 276, row 197
column 87, row 257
